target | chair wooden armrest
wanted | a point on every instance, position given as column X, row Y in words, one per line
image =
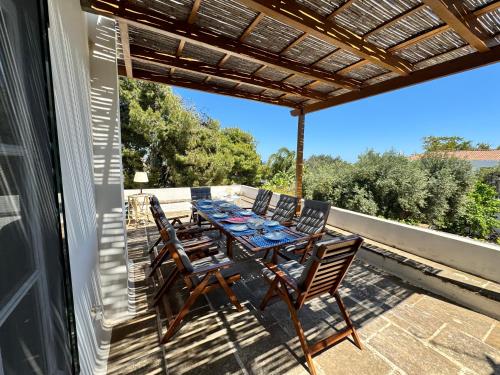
column 212, row 267
column 282, row 276
column 316, row 235
column 200, row 246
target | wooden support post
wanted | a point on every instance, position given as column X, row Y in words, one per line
column 299, row 165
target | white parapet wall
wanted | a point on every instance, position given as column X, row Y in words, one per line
column 462, row 253
column 465, row 254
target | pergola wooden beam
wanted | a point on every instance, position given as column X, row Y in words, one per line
column 126, row 47
column 305, row 20
column 467, row 62
column 193, row 15
column 154, row 21
column 455, row 16
column 151, row 56
column 487, row 8
column 299, row 160
column 205, row 86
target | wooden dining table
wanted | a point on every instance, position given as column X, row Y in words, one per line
column 248, row 240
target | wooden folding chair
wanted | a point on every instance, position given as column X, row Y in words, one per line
column 261, row 202
column 285, row 209
column 198, row 193
column 324, row 271
column 312, row 221
column 183, row 230
column 198, row 247
column 200, row 276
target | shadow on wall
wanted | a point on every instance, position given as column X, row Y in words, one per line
column 69, row 62
column 108, row 169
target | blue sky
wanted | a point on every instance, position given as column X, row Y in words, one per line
column 466, row 105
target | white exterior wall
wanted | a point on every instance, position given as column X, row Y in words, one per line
column 84, row 184
column 108, row 176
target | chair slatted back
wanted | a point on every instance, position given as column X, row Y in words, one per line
column 313, row 217
column 262, row 201
column 285, row 209
column 177, row 252
column 327, row 266
column 156, row 210
column 198, row 193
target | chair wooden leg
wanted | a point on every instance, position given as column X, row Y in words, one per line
column 228, row 290
column 270, row 293
column 158, row 261
column 185, row 309
column 172, row 276
column 155, row 244
column 348, row 321
column 299, row 330
column 229, row 246
column 266, row 254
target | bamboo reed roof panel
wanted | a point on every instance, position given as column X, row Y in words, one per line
column 338, row 60
column 434, row 46
column 224, row 83
column 272, row 74
column 250, row 88
column 201, row 54
column 295, row 98
column 476, row 4
column 299, row 81
column 272, row 93
column 322, row 7
column 241, row 65
column 406, row 28
column 145, row 38
column 273, row 34
column 381, row 78
column 491, row 23
column 150, row 68
column 365, row 15
column 177, row 9
column 366, row 72
column 226, row 17
column 450, row 55
column 321, row 87
column 301, row 53
column 339, row 92
column 310, row 50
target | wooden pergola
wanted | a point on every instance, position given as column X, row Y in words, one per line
column 304, row 54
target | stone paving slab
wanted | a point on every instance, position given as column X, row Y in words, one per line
column 404, row 329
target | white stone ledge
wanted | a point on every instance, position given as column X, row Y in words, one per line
column 462, row 253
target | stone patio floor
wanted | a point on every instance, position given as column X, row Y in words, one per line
column 404, row 329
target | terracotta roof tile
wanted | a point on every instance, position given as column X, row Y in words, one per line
column 466, row 155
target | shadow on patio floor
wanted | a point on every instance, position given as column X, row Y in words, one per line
column 404, row 329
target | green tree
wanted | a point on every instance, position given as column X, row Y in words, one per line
column 247, row 165
column 479, row 217
column 282, row 160
column 395, row 183
column 177, row 145
column 454, row 143
column 432, row 144
column 449, row 179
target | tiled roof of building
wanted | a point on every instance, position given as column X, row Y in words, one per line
column 466, row 155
